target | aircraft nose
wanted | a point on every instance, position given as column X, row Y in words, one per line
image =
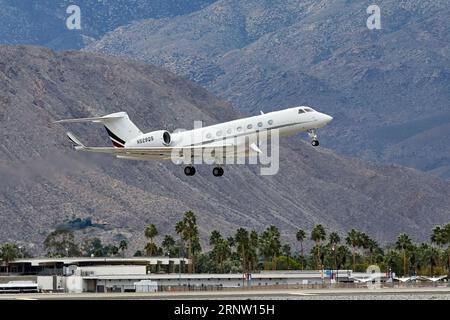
column 327, row 118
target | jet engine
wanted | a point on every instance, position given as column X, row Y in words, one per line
column 160, row 138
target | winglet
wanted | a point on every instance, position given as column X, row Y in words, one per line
column 261, row 111
column 77, row 143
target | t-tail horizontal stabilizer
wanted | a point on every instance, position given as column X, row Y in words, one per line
column 117, row 115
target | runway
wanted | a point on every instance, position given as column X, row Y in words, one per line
column 428, row 293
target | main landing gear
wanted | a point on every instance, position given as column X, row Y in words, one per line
column 190, row 171
column 313, row 135
column 218, row 172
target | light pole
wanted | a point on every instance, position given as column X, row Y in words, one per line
column 168, row 262
column 335, row 261
column 334, row 254
column 21, row 255
column 179, row 265
column 323, row 275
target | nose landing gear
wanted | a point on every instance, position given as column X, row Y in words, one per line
column 313, row 135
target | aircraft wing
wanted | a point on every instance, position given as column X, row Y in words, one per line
column 157, row 153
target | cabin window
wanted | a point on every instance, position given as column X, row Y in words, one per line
column 260, row 124
column 239, row 128
column 229, row 131
column 208, row 135
column 249, row 126
column 270, row 122
column 219, row 133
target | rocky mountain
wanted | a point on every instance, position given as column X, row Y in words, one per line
column 44, row 183
column 388, row 89
column 43, row 22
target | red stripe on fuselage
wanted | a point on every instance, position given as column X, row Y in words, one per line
column 116, row 144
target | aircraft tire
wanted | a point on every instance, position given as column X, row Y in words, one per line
column 189, row 170
column 217, row 172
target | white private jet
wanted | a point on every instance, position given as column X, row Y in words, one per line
column 372, row 277
column 432, row 279
column 131, row 143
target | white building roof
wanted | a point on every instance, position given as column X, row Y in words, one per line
column 215, row 276
column 101, row 260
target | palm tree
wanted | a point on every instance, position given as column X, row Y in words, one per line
column 275, row 244
column 441, row 236
column 8, row 252
column 334, row 238
column 342, row 253
column 215, row 237
column 372, row 245
column 445, row 234
column 231, row 241
column 150, row 249
column 187, row 229
column 301, row 235
column 436, row 238
column 221, row 248
column 221, row 253
column 365, row 243
column 318, row 235
column 168, row 245
column 403, row 243
column 242, row 245
column 364, row 240
column 123, row 245
column 269, row 244
column 427, row 257
column 253, row 250
column 436, row 235
column 353, row 240
column 286, row 249
column 150, row 233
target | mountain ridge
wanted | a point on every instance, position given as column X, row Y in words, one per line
column 45, row 183
column 261, row 55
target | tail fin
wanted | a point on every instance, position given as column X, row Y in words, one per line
column 118, row 125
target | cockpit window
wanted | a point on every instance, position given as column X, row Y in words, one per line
column 309, row 110
column 301, row 111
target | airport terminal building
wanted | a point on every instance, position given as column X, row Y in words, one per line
column 150, row 274
column 76, row 275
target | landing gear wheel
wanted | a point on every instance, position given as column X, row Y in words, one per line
column 189, row 170
column 218, row 172
column 313, row 135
